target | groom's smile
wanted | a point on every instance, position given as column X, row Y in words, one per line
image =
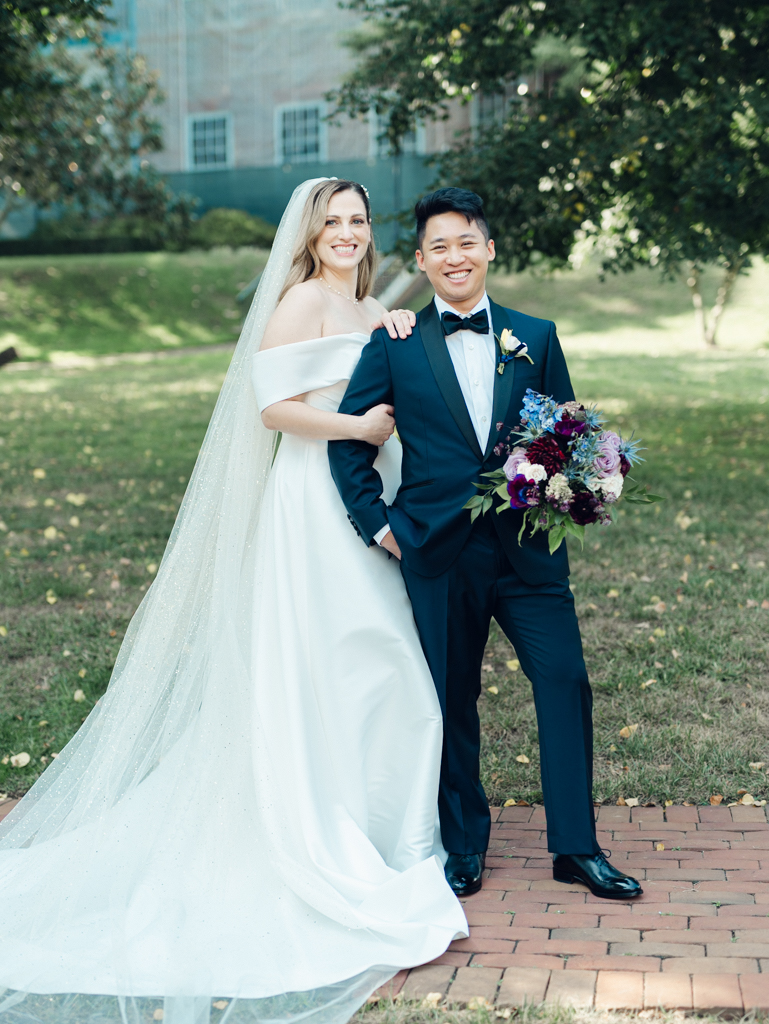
column 455, row 254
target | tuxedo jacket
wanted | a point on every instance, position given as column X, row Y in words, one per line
column 442, row 459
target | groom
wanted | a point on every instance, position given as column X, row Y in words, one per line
column 451, row 403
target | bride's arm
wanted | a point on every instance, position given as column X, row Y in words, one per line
column 299, row 317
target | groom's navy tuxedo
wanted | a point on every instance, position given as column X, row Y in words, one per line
column 459, row 575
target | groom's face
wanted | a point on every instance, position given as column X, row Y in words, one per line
column 455, row 255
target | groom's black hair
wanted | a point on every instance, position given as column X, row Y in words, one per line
column 450, row 200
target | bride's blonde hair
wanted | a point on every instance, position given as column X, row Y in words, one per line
column 306, row 262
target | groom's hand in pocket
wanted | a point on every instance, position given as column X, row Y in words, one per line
column 389, row 543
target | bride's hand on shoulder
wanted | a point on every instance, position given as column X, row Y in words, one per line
column 377, row 425
column 398, row 322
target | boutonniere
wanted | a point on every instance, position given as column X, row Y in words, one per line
column 511, row 348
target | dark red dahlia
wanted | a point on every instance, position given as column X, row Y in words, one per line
column 546, row 452
column 585, row 508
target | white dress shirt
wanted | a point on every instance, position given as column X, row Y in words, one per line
column 475, row 360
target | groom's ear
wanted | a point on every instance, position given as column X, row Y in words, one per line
column 420, row 259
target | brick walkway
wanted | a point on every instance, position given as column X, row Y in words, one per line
column 697, row 939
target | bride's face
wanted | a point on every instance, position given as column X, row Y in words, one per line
column 345, row 238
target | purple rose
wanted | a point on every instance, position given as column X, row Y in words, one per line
column 607, row 462
column 523, row 493
column 517, row 456
column 609, row 439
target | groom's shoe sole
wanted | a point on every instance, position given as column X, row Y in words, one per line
column 558, row 876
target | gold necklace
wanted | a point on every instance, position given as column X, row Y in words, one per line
column 354, row 301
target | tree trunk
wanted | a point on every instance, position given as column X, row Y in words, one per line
column 8, row 205
column 732, row 270
column 693, row 281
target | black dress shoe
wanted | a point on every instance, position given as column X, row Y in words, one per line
column 464, row 872
column 594, row 871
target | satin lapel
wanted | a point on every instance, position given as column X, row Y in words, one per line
column 445, row 377
column 503, row 382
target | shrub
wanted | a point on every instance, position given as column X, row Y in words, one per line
column 231, row 227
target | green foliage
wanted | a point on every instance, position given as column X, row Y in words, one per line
column 649, row 131
column 80, row 144
column 224, row 226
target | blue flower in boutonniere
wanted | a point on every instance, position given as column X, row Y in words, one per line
column 511, row 348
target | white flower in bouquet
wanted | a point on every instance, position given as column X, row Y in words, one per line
column 558, row 490
column 612, row 486
column 532, row 471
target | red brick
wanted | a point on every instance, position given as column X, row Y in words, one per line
column 688, row 935
column 755, row 992
column 679, row 909
column 525, row 918
column 669, row 991
column 736, row 887
column 747, row 875
column 504, row 960
column 715, row 814
column 613, row 815
column 606, row 934
column 688, row 874
column 515, row 814
column 539, row 815
column 710, row 896
column 645, row 921
column 613, row 963
column 515, row 931
column 751, row 910
column 729, row 923
column 564, row 947
column 6, row 807
column 619, row 990
column 667, row 828
column 715, row 993
column 522, row 986
column 749, row 934
column 559, row 919
column 474, row 983
column 740, row 948
column 505, row 862
column 721, row 965
column 424, row 980
column 511, row 871
column 507, row 884
column 481, row 897
column 452, row 959
column 474, row 945
column 478, row 918
column 665, row 948
column 494, row 812
column 647, row 814
column 680, row 813
column 575, row 989
column 751, row 814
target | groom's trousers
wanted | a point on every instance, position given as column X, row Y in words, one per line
column 453, row 613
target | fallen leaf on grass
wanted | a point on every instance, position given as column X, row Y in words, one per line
column 152, row 568
column 509, row 803
column 757, row 764
column 523, row 759
column 81, row 673
column 659, row 847
column 74, row 521
column 613, row 593
column 621, row 801
column 685, row 577
column 41, row 723
column 38, row 474
column 659, row 631
column 716, row 799
column 221, row 1004
column 708, row 718
column 78, row 696
column 648, row 683
column 3, row 631
column 676, row 654
column 50, row 533
column 76, row 499
column 479, row 1003
column 431, row 1000
column 20, row 760
column 765, row 604
column 513, row 665
column 631, row 801
column 629, row 730
column 492, row 689
column 51, row 597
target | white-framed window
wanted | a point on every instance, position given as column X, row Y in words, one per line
column 300, row 133
column 412, row 142
column 209, row 141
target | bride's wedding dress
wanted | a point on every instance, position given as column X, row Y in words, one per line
column 245, row 826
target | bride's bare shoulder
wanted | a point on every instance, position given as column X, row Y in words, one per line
column 298, row 316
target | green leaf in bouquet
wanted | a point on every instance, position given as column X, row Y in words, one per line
column 488, row 501
column 475, row 502
column 555, row 537
column 575, row 529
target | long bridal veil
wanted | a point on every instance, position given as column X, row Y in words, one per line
column 164, row 750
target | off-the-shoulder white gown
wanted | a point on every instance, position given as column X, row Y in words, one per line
column 290, row 852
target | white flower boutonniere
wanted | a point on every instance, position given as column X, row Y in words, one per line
column 511, row 348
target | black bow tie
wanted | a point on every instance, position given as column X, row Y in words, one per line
column 478, row 322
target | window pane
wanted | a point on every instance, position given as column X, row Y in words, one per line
column 300, row 133
column 209, row 142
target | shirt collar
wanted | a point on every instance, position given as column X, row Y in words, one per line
column 444, row 307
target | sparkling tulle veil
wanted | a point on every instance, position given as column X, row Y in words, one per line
column 173, row 723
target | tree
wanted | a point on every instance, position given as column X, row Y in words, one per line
column 649, row 135
column 80, row 142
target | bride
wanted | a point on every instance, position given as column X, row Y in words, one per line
column 244, row 828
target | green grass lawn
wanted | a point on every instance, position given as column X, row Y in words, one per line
column 54, row 306
column 672, row 593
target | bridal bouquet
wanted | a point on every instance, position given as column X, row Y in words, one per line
column 563, row 468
